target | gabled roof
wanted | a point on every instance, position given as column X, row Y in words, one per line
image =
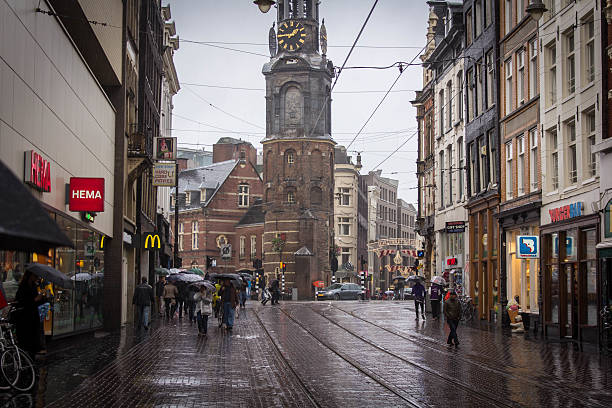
column 209, row 177
column 254, row 215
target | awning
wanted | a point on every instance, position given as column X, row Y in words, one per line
column 24, row 224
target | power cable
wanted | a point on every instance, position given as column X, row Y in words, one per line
column 237, row 88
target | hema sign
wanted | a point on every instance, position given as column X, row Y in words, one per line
column 86, row 194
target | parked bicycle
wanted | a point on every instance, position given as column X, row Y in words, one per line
column 468, row 310
column 16, row 366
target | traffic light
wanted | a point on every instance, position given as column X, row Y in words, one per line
column 416, row 263
column 282, row 266
column 88, row 216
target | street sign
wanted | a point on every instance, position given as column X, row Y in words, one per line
column 527, row 247
column 226, row 251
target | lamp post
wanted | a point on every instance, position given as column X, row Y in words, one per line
column 264, row 5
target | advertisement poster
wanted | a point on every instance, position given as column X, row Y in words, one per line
column 164, row 148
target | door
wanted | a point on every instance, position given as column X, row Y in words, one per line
column 569, row 306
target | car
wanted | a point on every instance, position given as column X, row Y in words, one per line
column 341, row 291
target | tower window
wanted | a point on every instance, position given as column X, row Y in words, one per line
column 291, row 197
column 290, row 158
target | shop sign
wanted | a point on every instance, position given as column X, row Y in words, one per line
column 455, row 226
column 607, row 221
column 569, row 246
column 566, row 212
column 86, row 194
column 527, row 246
column 37, row 171
column 164, row 174
column 151, row 241
column 164, row 148
column 318, row 284
column 455, row 261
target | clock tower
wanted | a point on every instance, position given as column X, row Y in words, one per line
column 298, row 149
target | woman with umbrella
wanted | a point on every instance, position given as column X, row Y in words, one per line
column 203, row 306
column 435, row 295
column 28, row 323
column 229, row 300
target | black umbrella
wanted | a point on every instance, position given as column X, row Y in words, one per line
column 184, row 277
column 50, row 275
column 221, row 276
column 246, row 276
column 24, row 223
column 209, row 285
column 414, row 278
column 399, row 278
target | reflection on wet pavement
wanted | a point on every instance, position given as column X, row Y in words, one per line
column 316, row 354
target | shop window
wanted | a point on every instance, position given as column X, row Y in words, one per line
column 588, row 270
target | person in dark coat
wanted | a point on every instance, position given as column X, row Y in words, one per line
column 435, row 295
column 159, row 292
column 452, row 314
column 418, row 291
column 143, row 298
column 229, row 301
column 274, row 288
column 27, row 317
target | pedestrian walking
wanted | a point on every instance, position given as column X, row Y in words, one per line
column 190, row 303
column 182, row 298
column 159, row 291
column 418, row 291
column 275, row 290
column 170, row 294
column 203, row 309
column 243, row 295
column 452, row 313
column 27, row 317
column 435, row 295
column 229, row 300
column 143, row 298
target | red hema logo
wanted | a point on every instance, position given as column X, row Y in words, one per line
column 86, row 194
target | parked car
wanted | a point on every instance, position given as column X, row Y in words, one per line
column 341, row 291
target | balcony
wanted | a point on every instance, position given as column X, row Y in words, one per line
column 140, row 145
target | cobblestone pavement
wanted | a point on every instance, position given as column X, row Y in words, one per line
column 322, row 354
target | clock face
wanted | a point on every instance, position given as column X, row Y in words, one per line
column 291, row 35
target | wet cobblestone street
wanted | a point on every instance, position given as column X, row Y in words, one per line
column 323, row 354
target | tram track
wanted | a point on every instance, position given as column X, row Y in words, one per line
column 429, row 371
column 420, row 342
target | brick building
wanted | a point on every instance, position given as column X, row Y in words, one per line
column 221, row 204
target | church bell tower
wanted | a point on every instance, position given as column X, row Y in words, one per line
column 298, row 149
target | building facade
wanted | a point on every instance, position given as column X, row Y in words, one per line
column 450, row 219
column 571, row 121
column 298, row 150
column 61, row 81
column 220, row 204
column 481, row 22
column 346, row 181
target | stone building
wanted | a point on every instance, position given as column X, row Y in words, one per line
column 520, row 177
column 221, row 204
column 406, row 218
column 346, row 179
column 298, row 149
column 450, row 219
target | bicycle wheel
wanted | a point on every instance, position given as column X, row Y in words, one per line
column 17, row 369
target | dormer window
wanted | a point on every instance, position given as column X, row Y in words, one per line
column 203, row 195
column 242, row 155
column 188, row 198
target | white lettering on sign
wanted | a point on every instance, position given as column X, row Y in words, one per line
column 86, row 194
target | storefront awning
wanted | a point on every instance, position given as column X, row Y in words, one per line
column 24, row 224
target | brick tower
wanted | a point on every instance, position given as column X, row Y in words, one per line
column 298, row 149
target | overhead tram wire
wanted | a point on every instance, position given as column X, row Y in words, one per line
column 396, row 150
column 323, row 106
column 387, row 93
column 242, row 133
column 238, row 88
column 225, row 112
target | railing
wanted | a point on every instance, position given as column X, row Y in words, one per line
column 139, row 144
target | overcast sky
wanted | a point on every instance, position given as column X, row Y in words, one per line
column 399, row 25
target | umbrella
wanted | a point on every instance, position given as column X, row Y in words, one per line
column 438, row 280
column 162, row 271
column 82, row 276
column 98, row 275
column 184, row 277
column 415, row 278
column 24, row 223
column 50, row 275
column 222, row 276
column 195, row 271
column 174, row 270
column 246, row 276
column 209, row 285
column 399, row 278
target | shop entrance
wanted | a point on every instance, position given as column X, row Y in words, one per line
column 568, row 318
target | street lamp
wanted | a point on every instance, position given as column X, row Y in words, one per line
column 264, row 5
column 536, row 9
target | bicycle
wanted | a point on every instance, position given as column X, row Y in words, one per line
column 468, row 310
column 16, row 366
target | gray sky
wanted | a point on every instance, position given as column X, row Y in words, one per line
column 394, row 23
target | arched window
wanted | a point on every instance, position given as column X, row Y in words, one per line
column 290, row 154
column 294, row 106
column 316, row 196
column 291, row 197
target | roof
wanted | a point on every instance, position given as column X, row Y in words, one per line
column 406, row 205
column 205, row 177
column 254, row 215
column 231, row 140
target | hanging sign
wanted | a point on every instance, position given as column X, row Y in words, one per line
column 527, row 246
column 86, row 194
column 455, row 226
column 37, row 171
column 164, row 148
column 151, row 241
column 164, row 174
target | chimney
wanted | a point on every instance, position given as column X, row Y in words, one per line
column 182, row 163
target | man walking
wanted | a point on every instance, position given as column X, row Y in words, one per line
column 229, row 300
column 159, row 291
column 170, row 293
column 418, row 291
column 452, row 313
column 143, row 298
column 435, row 295
column 274, row 288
